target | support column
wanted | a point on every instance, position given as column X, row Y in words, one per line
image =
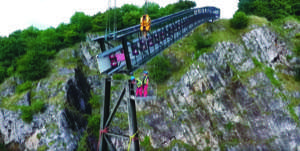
column 134, row 146
column 126, row 53
column 105, row 113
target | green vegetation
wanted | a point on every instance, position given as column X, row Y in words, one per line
column 146, row 144
column 271, row 9
column 33, row 65
column 95, row 101
column 23, row 87
column 160, row 70
column 291, row 107
column 270, row 74
column 43, row 148
column 239, row 21
column 2, row 147
column 202, row 44
column 257, row 63
column 94, row 124
column 229, row 126
column 82, row 144
column 28, row 111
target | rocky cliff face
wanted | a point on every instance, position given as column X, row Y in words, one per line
column 58, row 127
column 228, row 101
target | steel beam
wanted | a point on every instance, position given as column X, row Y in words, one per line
column 132, row 118
column 105, row 113
column 126, row 53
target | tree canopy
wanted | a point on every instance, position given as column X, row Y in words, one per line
column 271, row 9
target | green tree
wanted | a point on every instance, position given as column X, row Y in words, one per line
column 239, row 21
column 131, row 18
column 82, row 22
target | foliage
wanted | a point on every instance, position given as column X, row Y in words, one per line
column 23, row 87
column 160, row 70
column 33, row 65
column 239, row 21
column 81, row 22
column 27, row 114
column 94, row 124
column 201, row 44
column 28, row 111
column 271, row 9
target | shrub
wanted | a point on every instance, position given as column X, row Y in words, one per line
column 160, row 70
column 239, row 21
column 23, row 87
column 201, row 42
column 28, row 111
column 26, row 114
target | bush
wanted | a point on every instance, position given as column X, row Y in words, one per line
column 28, row 111
column 160, row 70
column 23, row 87
column 239, row 21
column 26, row 114
column 201, row 42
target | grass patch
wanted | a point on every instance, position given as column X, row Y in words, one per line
column 43, row 148
column 289, row 82
column 10, row 102
column 270, row 74
column 259, row 21
column 257, row 63
column 23, row 87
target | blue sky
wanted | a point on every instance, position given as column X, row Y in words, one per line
column 20, row 14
